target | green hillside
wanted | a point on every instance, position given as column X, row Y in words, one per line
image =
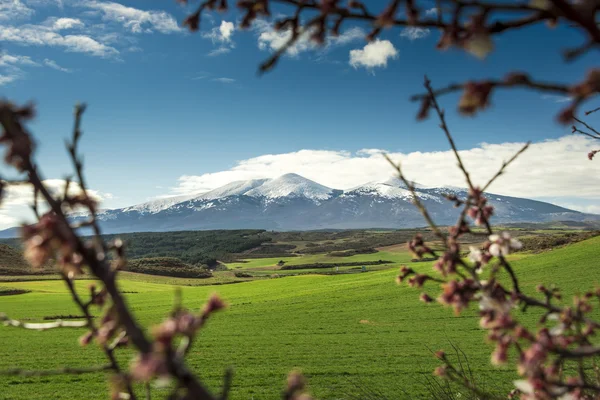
column 346, row 332
column 12, row 263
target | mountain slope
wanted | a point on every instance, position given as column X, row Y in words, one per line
column 292, row 202
column 232, row 189
column 158, row 205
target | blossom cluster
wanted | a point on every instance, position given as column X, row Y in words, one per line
column 564, row 335
column 49, row 238
column 183, row 324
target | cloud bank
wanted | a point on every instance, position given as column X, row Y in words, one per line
column 133, row 19
column 272, row 40
column 16, row 200
column 557, row 169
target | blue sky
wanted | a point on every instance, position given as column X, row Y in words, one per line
column 172, row 112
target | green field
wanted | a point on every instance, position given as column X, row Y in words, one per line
column 397, row 257
column 347, row 332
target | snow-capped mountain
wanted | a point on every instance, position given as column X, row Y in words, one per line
column 292, row 202
column 291, row 185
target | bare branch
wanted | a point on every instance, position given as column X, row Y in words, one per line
column 504, row 165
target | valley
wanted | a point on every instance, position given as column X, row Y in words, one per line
column 353, row 333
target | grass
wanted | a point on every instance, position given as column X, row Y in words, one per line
column 341, row 330
column 218, row 278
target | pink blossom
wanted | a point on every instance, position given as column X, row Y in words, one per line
column 503, row 244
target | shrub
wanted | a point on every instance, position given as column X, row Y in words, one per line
column 349, row 253
column 545, row 242
column 167, row 266
column 333, row 265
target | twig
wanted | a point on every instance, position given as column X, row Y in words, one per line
column 587, row 126
column 226, row 384
column 108, row 350
column 10, row 119
column 444, row 127
column 504, row 165
column 78, row 166
column 417, row 202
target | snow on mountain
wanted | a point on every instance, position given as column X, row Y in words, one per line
column 397, row 182
column 392, row 188
column 292, row 185
column 379, row 189
column 292, row 202
column 154, row 206
column 236, row 188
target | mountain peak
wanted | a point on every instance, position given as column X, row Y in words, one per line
column 292, row 176
column 291, row 185
column 397, row 182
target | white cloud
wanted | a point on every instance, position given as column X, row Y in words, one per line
column 22, row 195
column 572, row 203
column 12, row 60
column 40, row 35
column 226, row 30
column 274, row 40
column 413, row 33
column 133, row 19
column 7, row 221
column 54, row 65
column 59, row 24
column 269, row 39
column 11, row 67
column 113, row 38
column 552, row 168
column 219, row 51
column 346, row 37
column 8, row 78
column 11, row 10
column 221, row 35
column 45, row 3
column 431, row 12
column 590, row 209
column 16, row 201
column 556, row 98
column 224, row 80
column 374, row 54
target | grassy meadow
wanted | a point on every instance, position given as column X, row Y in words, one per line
column 349, row 333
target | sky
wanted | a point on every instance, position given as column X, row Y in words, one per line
column 172, row 113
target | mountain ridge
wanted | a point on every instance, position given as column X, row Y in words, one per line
column 292, row 202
